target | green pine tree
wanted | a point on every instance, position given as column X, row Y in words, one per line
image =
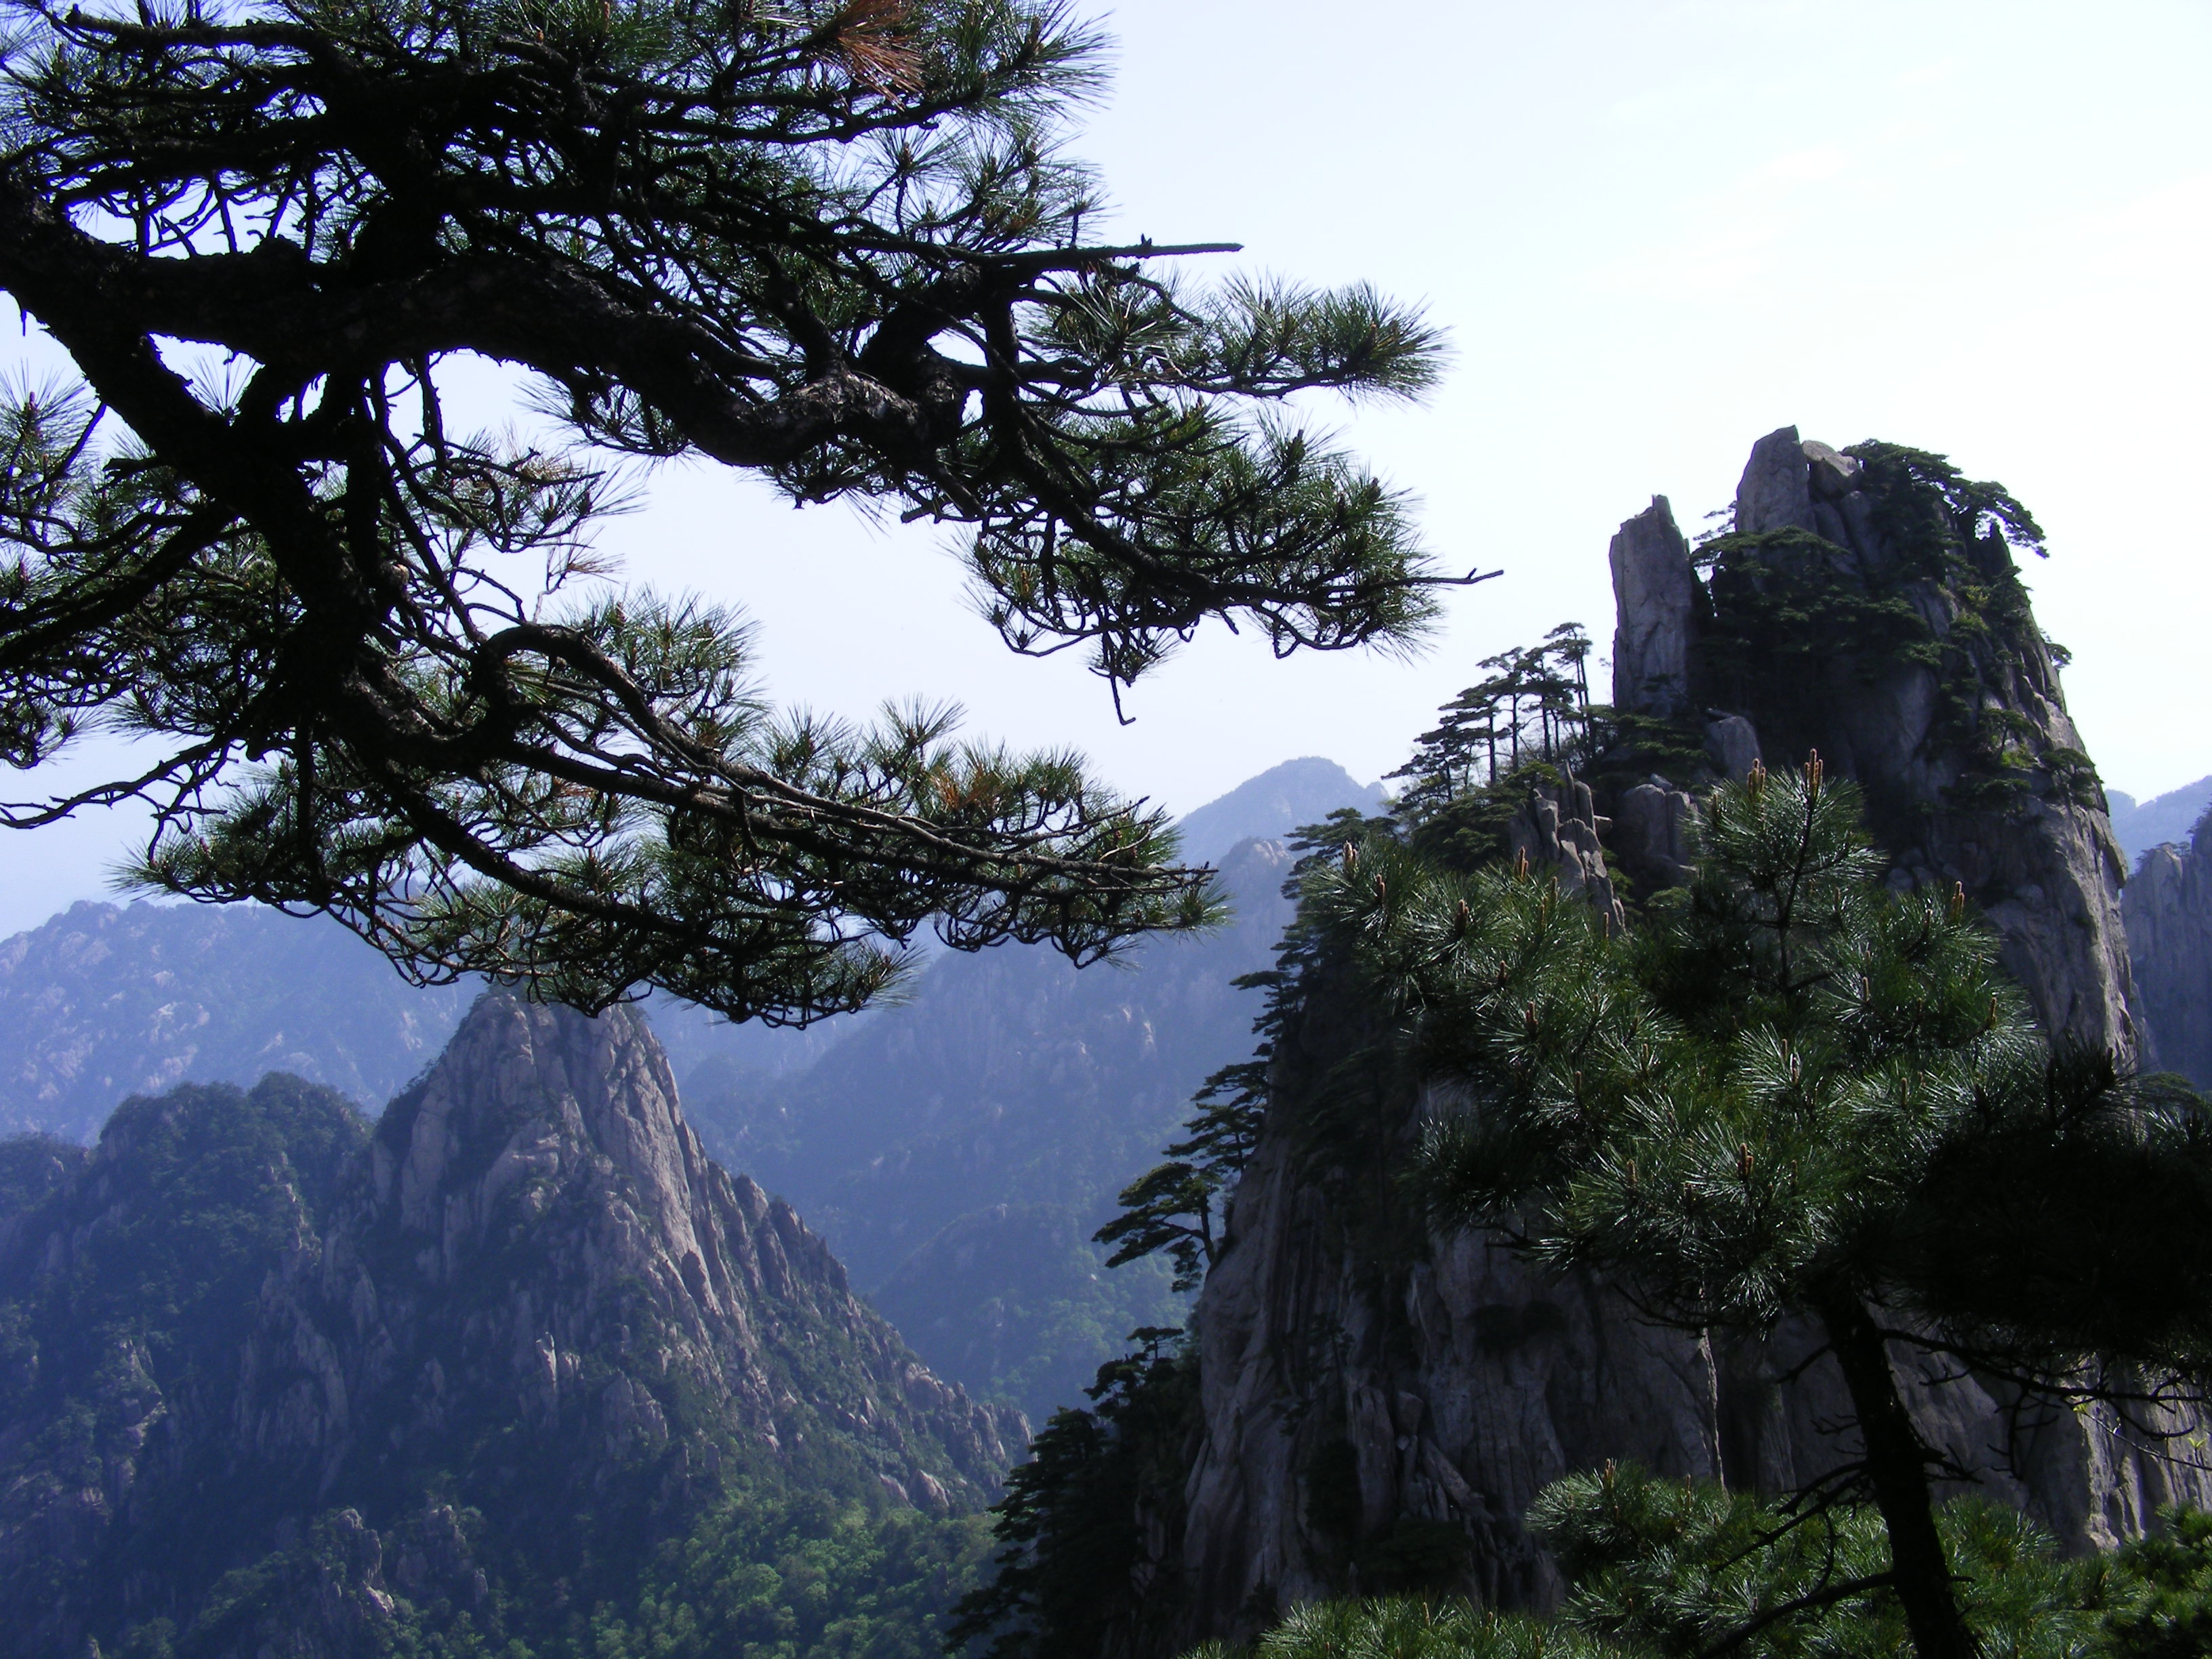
column 1796, row 1093
column 834, row 244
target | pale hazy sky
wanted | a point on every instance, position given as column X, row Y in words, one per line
column 1656, row 232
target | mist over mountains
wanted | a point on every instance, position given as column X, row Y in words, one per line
column 2162, row 820
column 956, row 1150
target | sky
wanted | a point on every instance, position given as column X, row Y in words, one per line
column 1654, row 232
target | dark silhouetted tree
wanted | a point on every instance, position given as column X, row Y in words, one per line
column 836, row 245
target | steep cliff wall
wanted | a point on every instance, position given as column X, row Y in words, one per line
column 1371, row 1389
column 1850, row 617
column 1374, row 1393
column 2168, row 907
column 527, row 1299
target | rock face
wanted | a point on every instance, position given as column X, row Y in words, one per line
column 2168, row 905
column 542, row 1183
column 1995, row 795
column 1661, row 602
column 1557, row 832
column 1369, row 1386
column 1442, row 1380
column 528, row 1292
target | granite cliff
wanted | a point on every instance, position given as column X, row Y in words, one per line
column 2168, row 905
column 272, row 1375
column 1835, row 619
column 1377, row 1401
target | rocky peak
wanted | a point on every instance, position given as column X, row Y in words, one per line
column 538, row 1204
column 1441, row 1382
column 1775, row 492
column 1924, row 678
column 528, row 1296
column 2168, row 907
column 1556, row 833
column 1658, row 613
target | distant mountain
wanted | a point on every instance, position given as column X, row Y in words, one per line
column 2165, row 818
column 2168, row 907
column 1271, row 805
column 959, row 1151
column 105, row 1001
column 518, row 1370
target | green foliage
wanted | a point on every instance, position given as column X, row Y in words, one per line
column 1076, row 1572
column 191, row 1202
column 200, row 1194
column 1537, row 696
column 1174, row 1206
column 1659, row 1569
column 1790, row 1077
column 1676, row 1567
column 767, row 1576
column 1795, row 1092
column 763, row 1574
column 31, row 1166
column 136, row 1328
column 839, row 246
column 2159, row 1598
column 1403, row 1628
column 1789, row 606
column 1519, row 726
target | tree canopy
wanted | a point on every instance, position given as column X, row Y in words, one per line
column 1796, row 1093
column 837, row 245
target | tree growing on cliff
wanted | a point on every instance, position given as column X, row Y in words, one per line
column 1799, row 1094
column 833, row 243
column 1532, row 705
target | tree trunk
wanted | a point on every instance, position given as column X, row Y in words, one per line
column 1897, row 1469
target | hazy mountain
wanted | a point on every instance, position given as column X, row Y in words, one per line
column 959, row 1151
column 1271, row 804
column 107, row 1001
column 517, row 1371
column 2142, row 825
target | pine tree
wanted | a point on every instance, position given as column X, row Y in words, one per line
column 833, row 243
column 1796, row 1093
column 1533, row 705
column 1069, row 1575
column 1180, row 1206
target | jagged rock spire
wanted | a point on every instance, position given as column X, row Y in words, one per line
column 542, row 1169
column 1657, row 602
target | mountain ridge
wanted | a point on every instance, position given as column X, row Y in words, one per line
column 271, row 1374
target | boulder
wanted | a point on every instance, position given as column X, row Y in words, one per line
column 1656, row 597
column 1775, row 492
column 1732, row 745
